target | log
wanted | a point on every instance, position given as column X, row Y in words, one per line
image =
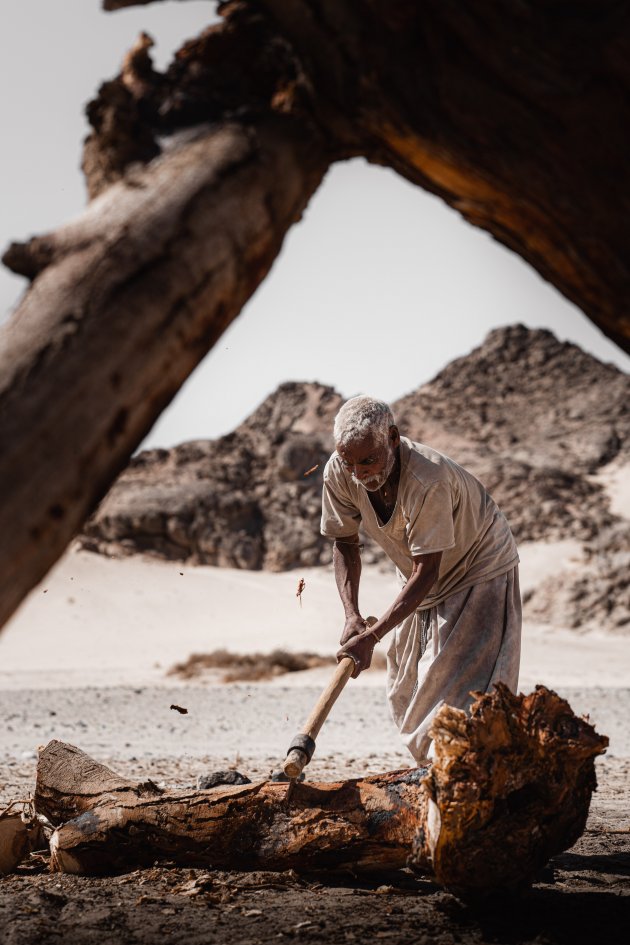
column 510, row 786
column 109, row 823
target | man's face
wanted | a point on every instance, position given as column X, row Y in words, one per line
column 370, row 460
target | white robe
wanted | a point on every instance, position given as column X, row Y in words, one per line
column 466, row 643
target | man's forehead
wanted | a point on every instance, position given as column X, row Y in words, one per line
column 361, row 447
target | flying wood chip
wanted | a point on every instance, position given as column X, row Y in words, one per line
column 312, row 469
column 300, row 589
column 180, row 709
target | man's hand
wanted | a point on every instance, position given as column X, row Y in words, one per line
column 352, row 627
column 360, row 648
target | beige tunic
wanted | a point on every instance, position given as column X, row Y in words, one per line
column 440, row 507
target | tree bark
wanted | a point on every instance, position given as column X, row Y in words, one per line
column 514, row 113
column 110, row 823
column 130, row 298
column 510, row 786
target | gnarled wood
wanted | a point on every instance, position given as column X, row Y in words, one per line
column 514, row 113
column 132, row 295
column 510, row 787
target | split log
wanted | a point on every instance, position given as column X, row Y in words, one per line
column 510, row 786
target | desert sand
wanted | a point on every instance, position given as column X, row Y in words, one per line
column 98, row 621
column 86, row 659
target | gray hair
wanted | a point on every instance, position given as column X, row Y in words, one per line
column 360, row 416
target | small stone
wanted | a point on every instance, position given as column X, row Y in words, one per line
column 216, row 778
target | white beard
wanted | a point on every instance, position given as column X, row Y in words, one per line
column 374, row 483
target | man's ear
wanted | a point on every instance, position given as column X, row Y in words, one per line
column 394, row 436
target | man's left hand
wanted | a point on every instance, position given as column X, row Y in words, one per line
column 360, row 648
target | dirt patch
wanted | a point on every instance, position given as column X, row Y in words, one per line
column 254, row 667
column 582, row 897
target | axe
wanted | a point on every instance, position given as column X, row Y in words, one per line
column 303, row 745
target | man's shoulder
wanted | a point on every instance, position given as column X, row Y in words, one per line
column 423, row 464
column 334, row 467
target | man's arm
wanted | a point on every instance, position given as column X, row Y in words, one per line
column 424, row 574
column 347, row 565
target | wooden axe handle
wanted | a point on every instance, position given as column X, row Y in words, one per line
column 296, row 760
column 343, row 672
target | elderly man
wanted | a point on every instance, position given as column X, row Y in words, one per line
column 455, row 626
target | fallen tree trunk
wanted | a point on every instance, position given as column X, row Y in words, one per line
column 514, row 113
column 510, row 787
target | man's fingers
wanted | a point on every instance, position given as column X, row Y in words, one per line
column 343, row 652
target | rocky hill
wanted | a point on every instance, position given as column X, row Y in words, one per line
column 534, row 418
column 241, row 501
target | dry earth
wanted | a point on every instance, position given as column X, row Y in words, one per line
column 583, row 896
column 86, row 660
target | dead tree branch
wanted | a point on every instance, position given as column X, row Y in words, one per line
column 129, row 298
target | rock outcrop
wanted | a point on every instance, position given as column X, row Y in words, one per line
column 250, row 499
column 532, row 417
column 593, row 595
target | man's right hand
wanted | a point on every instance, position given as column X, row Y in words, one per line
column 353, row 625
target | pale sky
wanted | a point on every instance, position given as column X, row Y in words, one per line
column 375, row 290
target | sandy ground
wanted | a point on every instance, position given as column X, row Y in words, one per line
column 97, row 621
column 86, row 659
